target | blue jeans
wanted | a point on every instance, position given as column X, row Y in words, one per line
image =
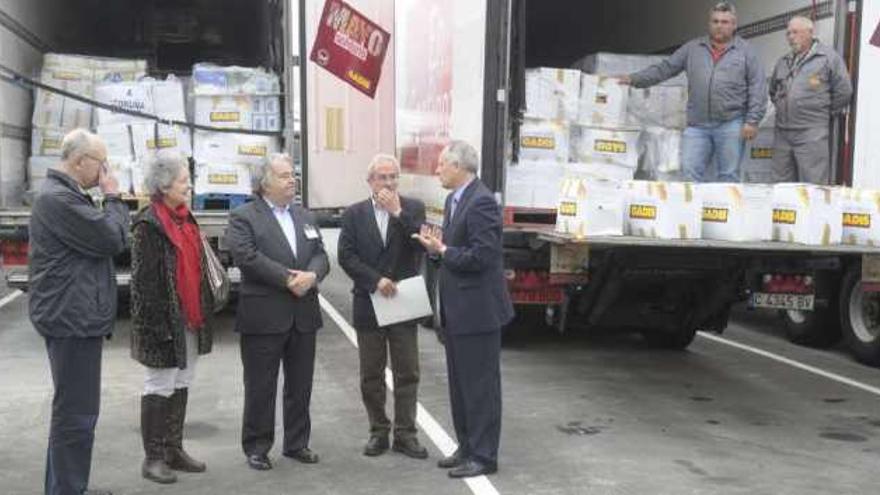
column 721, row 143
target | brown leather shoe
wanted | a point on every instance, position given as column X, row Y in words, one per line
column 376, row 445
column 410, row 447
column 454, row 460
column 304, row 455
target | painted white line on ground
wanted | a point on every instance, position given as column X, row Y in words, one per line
column 11, row 297
column 479, row 485
column 796, row 364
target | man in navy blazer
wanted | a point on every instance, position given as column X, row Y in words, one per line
column 474, row 305
column 377, row 251
column 278, row 248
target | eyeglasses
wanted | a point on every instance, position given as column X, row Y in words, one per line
column 386, row 176
column 103, row 162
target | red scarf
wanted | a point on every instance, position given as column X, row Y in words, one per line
column 184, row 235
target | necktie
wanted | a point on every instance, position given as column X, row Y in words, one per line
column 452, row 210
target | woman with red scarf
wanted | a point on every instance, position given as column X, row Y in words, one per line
column 171, row 313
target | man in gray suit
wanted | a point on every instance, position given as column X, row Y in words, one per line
column 474, row 305
column 278, row 248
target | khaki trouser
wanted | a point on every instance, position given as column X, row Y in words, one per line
column 802, row 155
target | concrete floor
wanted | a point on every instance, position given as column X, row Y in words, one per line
column 599, row 414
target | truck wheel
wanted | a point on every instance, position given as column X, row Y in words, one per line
column 860, row 318
column 817, row 328
column 664, row 339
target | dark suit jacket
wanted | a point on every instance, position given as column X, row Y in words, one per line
column 261, row 252
column 366, row 259
column 473, row 292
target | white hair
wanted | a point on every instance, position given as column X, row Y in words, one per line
column 805, row 22
column 379, row 159
column 261, row 173
column 77, row 143
column 463, row 154
column 163, row 170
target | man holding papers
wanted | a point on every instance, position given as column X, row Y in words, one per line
column 474, row 305
column 377, row 251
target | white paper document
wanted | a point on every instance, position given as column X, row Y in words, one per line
column 411, row 302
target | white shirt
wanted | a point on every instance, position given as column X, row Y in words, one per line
column 381, row 220
column 285, row 221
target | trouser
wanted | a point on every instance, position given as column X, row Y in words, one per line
column 76, row 375
column 374, row 347
column 473, row 366
column 164, row 381
column 260, row 358
column 802, row 155
column 720, row 143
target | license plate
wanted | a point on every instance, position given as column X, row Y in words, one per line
column 802, row 302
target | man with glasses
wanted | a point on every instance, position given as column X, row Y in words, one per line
column 376, row 250
column 727, row 96
column 73, row 298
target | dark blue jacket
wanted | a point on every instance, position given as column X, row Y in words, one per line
column 72, row 245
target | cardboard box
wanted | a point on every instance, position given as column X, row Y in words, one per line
column 664, row 210
column 600, row 145
column 617, row 64
column 46, row 141
column 658, row 106
column 544, row 140
column 602, row 102
column 599, row 170
column 737, row 212
column 220, row 147
column 660, row 151
column 861, row 217
column 209, row 79
column 757, row 162
column 227, row 112
column 135, row 96
column 231, row 178
column 147, row 138
column 590, row 207
column 552, row 94
column 533, row 184
column 117, row 138
column 168, row 99
column 807, row 214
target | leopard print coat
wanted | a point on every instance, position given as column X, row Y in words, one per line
column 157, row 335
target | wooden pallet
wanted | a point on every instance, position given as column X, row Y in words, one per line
column 219, row 202
column 515, row 216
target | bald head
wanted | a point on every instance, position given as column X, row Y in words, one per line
column 799, row 34
column 83, row 154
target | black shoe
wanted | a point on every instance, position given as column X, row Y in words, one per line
column 455, row 460
column 376, row 445
column 304, row 455
column 260, row 462
column 410, row 447
column 472, row 468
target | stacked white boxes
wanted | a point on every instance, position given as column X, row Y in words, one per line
column 664, row 210
column 861, row 217
column 590, row 207
column 534, row 183
column 602, row 102
column 232, row 98
column 807, row 214
column 544, row 140
column 617, row 64
column 737, row 212
column 552, row 94
column 613, row 146
column 55, row 115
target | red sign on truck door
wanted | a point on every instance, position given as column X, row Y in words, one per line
column 350, row 46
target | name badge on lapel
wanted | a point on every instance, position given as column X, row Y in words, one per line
column 310, row 232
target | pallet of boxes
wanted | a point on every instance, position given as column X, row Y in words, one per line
column 239, row 98
column 56, row 115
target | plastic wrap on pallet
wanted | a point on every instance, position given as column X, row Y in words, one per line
column 215, row 147
column 209, row 79
column 658, row 106
column 590, row 207
column 552, row 94
column 231, row 178
column 757, row 163
column 544, row 140
column 117, row 138
column 147, row 138
column 533, row 184
column 737, row 212
column 660, row 152
column 602, row 102
column 807, row 214
column 615, row 64
column 605, row 145
column 46, row 141
column 663, row 210
column 861, row 217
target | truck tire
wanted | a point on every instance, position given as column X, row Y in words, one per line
column 664, row 339
column 860, row 318
column 818, row 328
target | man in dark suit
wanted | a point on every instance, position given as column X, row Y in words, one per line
column 376, row 250
column 474, row 305
column 278, row 248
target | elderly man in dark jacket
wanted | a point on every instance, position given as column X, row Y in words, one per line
column 73, row 298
